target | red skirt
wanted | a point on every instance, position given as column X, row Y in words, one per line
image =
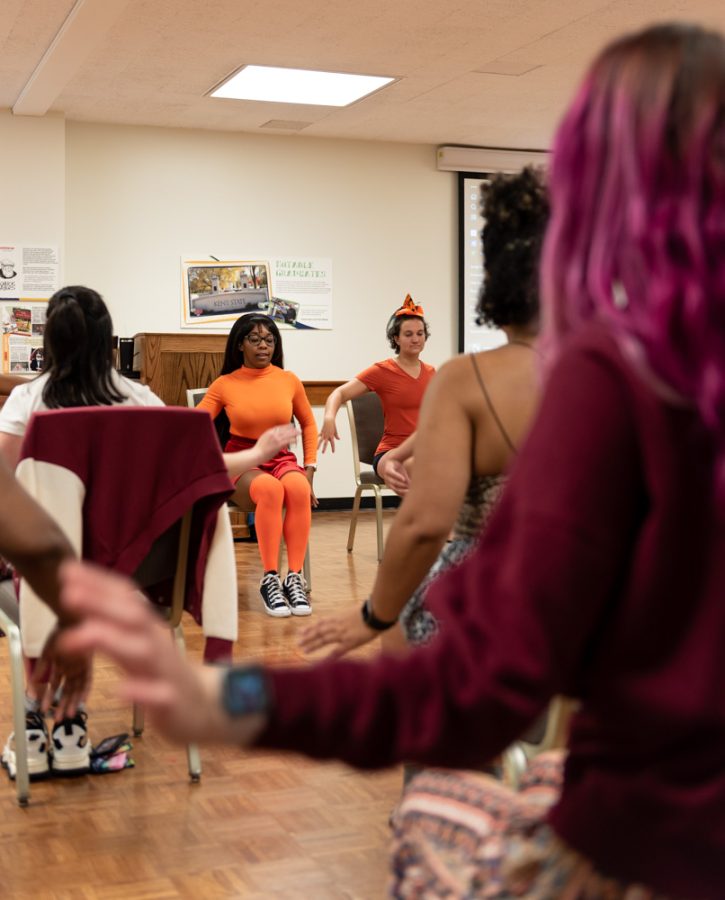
column 281, row 464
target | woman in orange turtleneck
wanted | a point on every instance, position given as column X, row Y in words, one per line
column 256, row 393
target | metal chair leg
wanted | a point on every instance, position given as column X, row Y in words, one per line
column 138, row 720
column 192, row 751
column 379, row 520
column 15, row 650
column 353, row 518
column 307, row 569
column 514, row 764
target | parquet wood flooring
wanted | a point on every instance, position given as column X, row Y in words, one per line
column 259, row 825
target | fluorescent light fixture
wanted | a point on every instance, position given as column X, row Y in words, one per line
column 277, row 85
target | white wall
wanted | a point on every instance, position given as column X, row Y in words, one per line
column 125, row 204
column 138, row 199
column 32, row 161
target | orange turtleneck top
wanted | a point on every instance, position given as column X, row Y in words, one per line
column 258, row 399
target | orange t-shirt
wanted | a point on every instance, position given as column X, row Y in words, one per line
column 258, row 399
column 401, row 396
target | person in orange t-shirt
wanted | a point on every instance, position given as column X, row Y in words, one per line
column 400, row 383
column 256, row 393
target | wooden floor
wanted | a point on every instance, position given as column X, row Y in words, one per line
column 257, row 826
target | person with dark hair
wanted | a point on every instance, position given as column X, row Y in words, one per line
column 400, row 383
column 474, row 416
column 77, row 368
column 601, row 574
column 78, row 371
column 256, row 393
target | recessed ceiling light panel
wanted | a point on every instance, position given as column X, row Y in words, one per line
column 278, row 85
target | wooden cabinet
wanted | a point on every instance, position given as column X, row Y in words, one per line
column 170, row 364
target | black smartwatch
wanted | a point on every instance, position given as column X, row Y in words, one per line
column 245, row 691
column 371, row 620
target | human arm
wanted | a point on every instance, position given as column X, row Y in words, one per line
column 518, row 618
column 36, row 546
column 268, row 445
column 393, row 468
column 304, row 415
column 10, row 445
column 421, row 526
column 348, row 391
column 213, row 400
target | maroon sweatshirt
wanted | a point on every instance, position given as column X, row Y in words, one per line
column 601, row 576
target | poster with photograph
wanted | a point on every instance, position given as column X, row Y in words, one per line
column 221, row 291
column 22, row 323
column 28, row 272
column 295, row 292
column 22, row 353
column 304, row 285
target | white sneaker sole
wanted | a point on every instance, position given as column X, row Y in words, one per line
column 282, row 613
column 37, row 768
column 77, row 763
column 301, row 610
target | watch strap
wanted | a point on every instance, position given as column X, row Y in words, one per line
column 371, row 620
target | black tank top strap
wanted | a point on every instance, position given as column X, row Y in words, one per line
column 497, row 420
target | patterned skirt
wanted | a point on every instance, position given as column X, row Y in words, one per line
column 466, row 835
column 418, row 623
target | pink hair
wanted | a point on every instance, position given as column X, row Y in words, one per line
column 637, row 231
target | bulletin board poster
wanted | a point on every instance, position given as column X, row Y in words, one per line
column 28, row 272
column 295, row 291
column 22, row 324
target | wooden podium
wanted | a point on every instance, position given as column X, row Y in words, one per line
column 170, row 364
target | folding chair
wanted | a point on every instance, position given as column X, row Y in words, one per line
column 366, row 428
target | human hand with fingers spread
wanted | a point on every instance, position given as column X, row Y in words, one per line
column 183, row 699
column 62, row 675
column 344, row 631
column 269, row 444
column 328, row 435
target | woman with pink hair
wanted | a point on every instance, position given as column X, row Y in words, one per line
column 601, row 575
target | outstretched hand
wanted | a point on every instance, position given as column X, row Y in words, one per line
column 275, row 439
column 67, row 675
column 345, row 631
column 182, row 698
column 328, row 435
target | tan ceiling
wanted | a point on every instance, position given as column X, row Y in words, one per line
column 481, row 72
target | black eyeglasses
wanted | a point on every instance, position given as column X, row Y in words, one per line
column 255, row 340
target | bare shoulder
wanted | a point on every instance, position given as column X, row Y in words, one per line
column 454, row 371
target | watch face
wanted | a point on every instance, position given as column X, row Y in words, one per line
column 245, row 691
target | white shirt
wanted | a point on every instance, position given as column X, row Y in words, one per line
column 26, row 399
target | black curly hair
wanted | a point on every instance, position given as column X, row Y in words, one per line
column 516, row 209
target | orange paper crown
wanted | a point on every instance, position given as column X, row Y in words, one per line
column 409, row 308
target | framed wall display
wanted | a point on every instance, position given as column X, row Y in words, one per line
column 296, row 292
column 221, row 291
column 473, row 335
column 22, row 323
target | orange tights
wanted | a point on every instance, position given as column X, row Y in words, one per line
column 270, row 496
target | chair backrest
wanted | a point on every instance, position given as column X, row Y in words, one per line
column 130, row 474
column 194, row 396
column 366, row 426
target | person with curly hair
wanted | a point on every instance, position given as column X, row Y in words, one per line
column 400, row 383
column 474, row 416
